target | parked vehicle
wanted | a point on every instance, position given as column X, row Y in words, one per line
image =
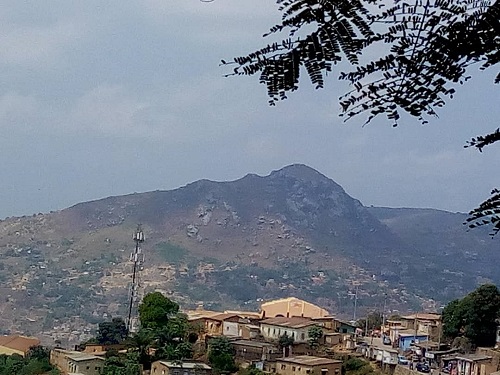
column 423, row 367
column 402, row 360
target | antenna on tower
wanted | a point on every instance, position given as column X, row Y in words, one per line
column 137, row 257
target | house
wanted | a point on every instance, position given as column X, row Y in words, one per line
column 345, row 327
column 407, row 338
column 217, row 324
column 308, row 365
column 296, row 328
column 474, row 364
column 290, row 307
column 254, row 351
column 428, row 324
column 14, row 344
column 180, row 368
column 69, row 362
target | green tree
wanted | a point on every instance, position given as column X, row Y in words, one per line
column 372, row 321
column 114, row 332
column 122, row 365
column 315, row 334
column 473, row 316
column 250, row 370
column 285, row 341
column 221, row 355
column 155, row 310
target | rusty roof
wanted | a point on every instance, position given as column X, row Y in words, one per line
column 21, row 343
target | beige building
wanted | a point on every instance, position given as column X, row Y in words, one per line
column 72, row 362
column 290, row 307
column 17, row 344
column 180, row 368
column 308, row 365
column 296, row 328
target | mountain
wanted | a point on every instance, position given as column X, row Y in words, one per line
column 232, row 244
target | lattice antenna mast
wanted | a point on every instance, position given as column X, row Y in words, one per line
column 137, row 257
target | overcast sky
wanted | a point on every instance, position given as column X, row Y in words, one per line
column 108, row 98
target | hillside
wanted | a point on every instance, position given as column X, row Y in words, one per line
column 232, row 244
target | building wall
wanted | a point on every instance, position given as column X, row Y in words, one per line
column 158, row 368
column 275, row 332
column 290, row 307
column 89, row 367
column 230, row 329
column 287, row 368
column 10, row 351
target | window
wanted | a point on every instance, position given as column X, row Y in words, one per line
column 308, row 371
column 302, row 336
column 293, row 368
column 283, row 367
column 88, row 367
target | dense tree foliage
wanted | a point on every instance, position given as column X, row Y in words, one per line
column 221, row 355
column 36, row 362
column 315, row 334
column 122, row 365
column 474, row 316
column 113, row 332
column 155, row 310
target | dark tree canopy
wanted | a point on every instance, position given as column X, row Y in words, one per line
column 474, row 316
column 155, row 310
column 113, row 332
column 423, row 50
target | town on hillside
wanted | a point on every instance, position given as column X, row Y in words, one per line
column 287, row 336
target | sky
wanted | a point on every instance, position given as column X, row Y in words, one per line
column 109, row 98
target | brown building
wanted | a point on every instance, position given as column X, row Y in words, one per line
column 254, row 351
column 69, row 362
column 289, row 307
column 180, row 368
column 308, row 365
column 17, row 344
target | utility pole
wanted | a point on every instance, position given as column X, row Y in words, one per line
column 355, row 303
column 383, row 314
column 137, row 257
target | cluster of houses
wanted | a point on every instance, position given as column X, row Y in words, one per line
column 416, row 338
column 254, row 337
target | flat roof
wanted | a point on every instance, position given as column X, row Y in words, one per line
column 423, row 316
column 185, row 364
column 473, row 357
column 77, row 357
column 295, row 322
column 255, row 344
column 309, row 360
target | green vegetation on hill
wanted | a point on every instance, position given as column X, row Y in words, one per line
column 171, row 253
column 36, row 362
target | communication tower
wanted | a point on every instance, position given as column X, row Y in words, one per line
column 137, row 258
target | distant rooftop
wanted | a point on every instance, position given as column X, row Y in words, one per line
column 294, row 322
column 186, row 365
column 309, row 360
